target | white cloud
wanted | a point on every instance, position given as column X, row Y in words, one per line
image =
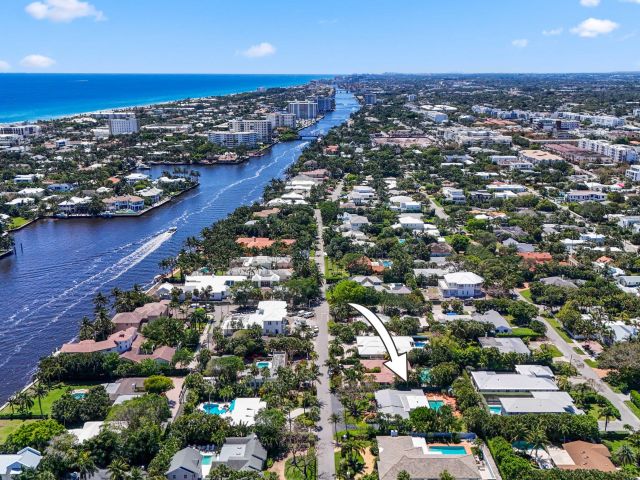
column 4, row 66
column 589, row 3
column 520, row 42
column 593, row 27
column 263, row 49
column 37, row 61
column 63, row 10
column 632, row 1
column 553, row 32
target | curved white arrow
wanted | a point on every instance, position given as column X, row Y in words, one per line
column 398, row 363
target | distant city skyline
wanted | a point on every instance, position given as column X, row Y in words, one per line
column 356, row 36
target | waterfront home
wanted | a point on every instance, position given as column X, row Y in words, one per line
column 16, row 202
column 74, row 205
column 425, row 462
column 398, row 402
column 266, row 213
column 371, row 346
column 124, row 202
column 186, row 464
column 118, row 342
column 461, row 285
column 134, row 178
column 270, row 316
column 241, row 454
column 152, row 193
column 140, row 315
column 217, row 286
column 262, row 261
column 12, row 465
column 162, row 355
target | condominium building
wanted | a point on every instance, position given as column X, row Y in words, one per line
column 619, row 153
column 539, row 156
column 636, row 112
column 633, row 173
column 280, row 119
column 437, row 117
column 305, row 110
column 22, row 130
column 234, row 139
column 370, row 98
column 123, row 126
column 262, row 128
column 597, row 120
column 325, row 103
column 470, row 136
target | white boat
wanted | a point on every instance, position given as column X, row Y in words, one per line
column 172, row 230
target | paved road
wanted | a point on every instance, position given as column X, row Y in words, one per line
column 627, row 416
column 325, row 447
column 440, row 213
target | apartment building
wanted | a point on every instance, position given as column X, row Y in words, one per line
column 234, row 139
column 123, row 126
column 633, row 173
column 618, row 153
column 305, row 110
column 262, row 128
column 280, row 119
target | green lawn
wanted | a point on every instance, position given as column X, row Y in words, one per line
column 17, row 222
column 9, row 426
column 527, row 295
column 334, row 272
column 555, row 353
column 558, row 328
column 293, row 473
column 633, row 408
column 578, row 350
column 592, row 363
column 53, row 395
column 520, row 332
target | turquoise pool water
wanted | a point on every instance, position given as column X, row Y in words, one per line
column 207, row 459
column 495, row 409
column 387, row 263
column 218, row 408
column 420, row 344
column 263, row 364
column 435, row 404
column 79, row 395
column 448, row 450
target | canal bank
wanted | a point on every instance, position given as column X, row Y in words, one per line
column 46, row 289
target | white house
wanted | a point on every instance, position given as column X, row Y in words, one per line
column 585, row 196
column 403, row 203
column 372, row 346
column 12, row 465
column 461, row 285
column 454, row 195
column 271, row 316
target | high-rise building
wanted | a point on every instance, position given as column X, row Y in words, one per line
column 234, row 139
column 262, row 128
column 22, row 130
column 325, row 104
column 304, row 110
column 123, row 126
column 370, row 98
column 280, row 119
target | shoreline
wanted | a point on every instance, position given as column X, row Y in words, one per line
column 144, row 104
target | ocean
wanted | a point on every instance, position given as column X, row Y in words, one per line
column 28, row 97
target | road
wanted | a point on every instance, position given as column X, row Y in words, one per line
column 325, row 447
column 440, row 213
column 627, row 416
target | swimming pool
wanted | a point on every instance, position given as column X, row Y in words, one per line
column 218, row 408
column 78, row 395
column 448, row 450
column 263, row 364
column 436, row 404
column 420, row 344
column 207, row 459
column 495, row 409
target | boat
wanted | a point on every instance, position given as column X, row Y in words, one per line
column 142, row 166
column 172, row 230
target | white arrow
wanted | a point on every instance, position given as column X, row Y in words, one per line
column 398, row 363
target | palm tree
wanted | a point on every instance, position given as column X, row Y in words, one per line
column 609, row 411
column 13, row 402
column 25, row 402
column 40, row 389
column 537, row 439
column 84, row 465
column 335, row 418
column 136, row 474
column 626, row 455
column 118, row 469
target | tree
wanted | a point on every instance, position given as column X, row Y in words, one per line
column 335, row 418
column 158, row 384
column 66, row 409
column 537, row 439
column 445, row 475
column 118, row 469
column 39, row 390
column 36, row 435
column 459, row 242
column 84, row 465
column 403, row 475
column 626, row 455
column 608, row 412
column 270, row 428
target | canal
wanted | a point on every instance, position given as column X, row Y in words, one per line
column 47, row 287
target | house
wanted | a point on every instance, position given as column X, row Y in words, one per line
column 440, row 249
column 461, row 285
column 527, row 380
column 134, row 178
column 397, row 402
column 162, row 355
column 354, row 223
column 534, row 258
column 454, row 195
column 119, row 342
column 558, row 282
column 186, row 464
column 403, row 203
column 586, row 456
column 124, row 202
column 377, row 369
column 244, row 411
column 539, row 403
column 241, row 454
column 12, row 465
column 147, row 312
column 500, row 324
column 585, row 196
column 367, row 280
column 412, row 455
column 270, row 316
column 260, row 243
column 505, row 344
column 629, row 280
column 372, row 346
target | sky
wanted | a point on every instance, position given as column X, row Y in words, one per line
column 326, row 36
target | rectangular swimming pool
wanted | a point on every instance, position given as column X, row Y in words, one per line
column 448, row 450
column 206, row 459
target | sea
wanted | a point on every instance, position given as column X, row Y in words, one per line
column 34, row 96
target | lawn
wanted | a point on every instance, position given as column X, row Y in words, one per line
column 334, row 272
column 520, row 332
column 592, row 363
column 558, row 328
column 633, row 408
column 555, row 353
column 527, row 295
column 578, row 350
column 17, row 222
column 293, row 473
column 9, row 426
column 53, row 395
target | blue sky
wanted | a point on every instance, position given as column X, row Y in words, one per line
column 327, row 36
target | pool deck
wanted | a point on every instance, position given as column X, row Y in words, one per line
column 450, row 401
